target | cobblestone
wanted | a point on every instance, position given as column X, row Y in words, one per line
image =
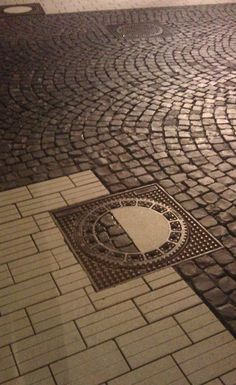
column 160, row 108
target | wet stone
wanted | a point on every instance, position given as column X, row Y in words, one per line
column 231, row 269
column 203, row 283
column 227, row 284
column 233, row 297
column 215, row 297
column 214, row 271
column 205, row 261
column 189, row 269
column 228, row 311
column 223, row 257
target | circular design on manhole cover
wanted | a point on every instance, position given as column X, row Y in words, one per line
column 17, row 9
column 131, row 232
column 139, row 30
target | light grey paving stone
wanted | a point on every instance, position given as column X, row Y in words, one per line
column 208, row 359
column 14, row 327
column 71, row 278
column 60, row 310
column 92, row 366
column 46, row 347
column 199, row 323
column 5, row 276
column 48, row 239
column 229, row 378
column 117, row 294
column 85, row 192
column 44, row 221
column 17, row 229
column 162, row 278
column 152, row 341
column 8, row 213
column 163, row 372
column 8, row 368
column 83, row 178
column 27, row 293
column 33, row 266
column 64, row 256
column 16, row 249
column 50, row 186
column 41, row 204
column 109, row 323
column 37, row 377
column 167, row 301
column 13, row 196
column 217, row 381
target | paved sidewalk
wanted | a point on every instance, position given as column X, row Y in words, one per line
column 99, row 102
column 54, row 329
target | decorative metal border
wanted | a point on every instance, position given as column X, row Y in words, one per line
column 104, row 274
column 36, row 10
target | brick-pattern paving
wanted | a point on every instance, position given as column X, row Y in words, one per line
column 56, row 330
column 160, row 108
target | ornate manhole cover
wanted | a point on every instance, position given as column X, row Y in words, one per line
column 135, row 30
column 129, row 234
column 21, row 9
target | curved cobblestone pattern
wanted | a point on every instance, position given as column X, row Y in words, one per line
column 76, row 95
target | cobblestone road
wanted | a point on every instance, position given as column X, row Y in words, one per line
column 136, row 96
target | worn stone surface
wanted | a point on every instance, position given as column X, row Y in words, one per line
column 70, row 100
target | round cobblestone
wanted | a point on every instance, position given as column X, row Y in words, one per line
column 75, row 96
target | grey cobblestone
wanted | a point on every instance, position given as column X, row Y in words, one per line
column 75, row 96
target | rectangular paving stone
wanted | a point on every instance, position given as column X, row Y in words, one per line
column 5, row 276
column 41, row 204
column 60, row 310
column 199, row 323
column 33, row 266
column 229, row 378
column 8, row 368
column 85, row 192
column 152, row 341
column 17, row 248
column 163, row 372
column 208, row 359
column 83, row 178
column 37, row 377
column 27, row 293
column 217, row 381
column 162, row 278
column 64, row 256
column 9, row 213
column 48, row 239
column 92, row 366
column 50, row 186
column 117, row 294
column 46, row 347
column 71, row 278
column 14, row 327
column 167, row 301
column 109, row 323
column 44, row 221
column 17, row 229
column 13, row 196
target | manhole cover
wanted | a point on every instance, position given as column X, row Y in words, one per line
column 20, row 9
column 135, row 30
column 129, row 234
column 17, row 9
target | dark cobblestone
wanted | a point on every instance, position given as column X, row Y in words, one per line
column 71, row 101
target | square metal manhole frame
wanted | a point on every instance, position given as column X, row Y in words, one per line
column 37, row 9
column 105, row 269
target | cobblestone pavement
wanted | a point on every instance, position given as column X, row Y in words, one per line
column 136, row 96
